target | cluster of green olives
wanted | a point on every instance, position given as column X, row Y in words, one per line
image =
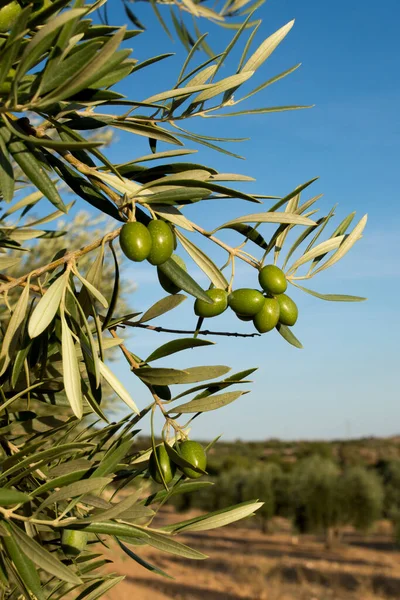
column 266, row 309
column 192, row 452
column 156, row 242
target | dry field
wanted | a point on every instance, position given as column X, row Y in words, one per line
column 244, row 564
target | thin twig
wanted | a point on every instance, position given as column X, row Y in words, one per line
column 70, row 256
column 187, row 331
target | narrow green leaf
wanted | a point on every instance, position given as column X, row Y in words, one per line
column 204, row 262
column 176, row 346
column 42, row 558
column 233, row 81
column 162, row 306
column 88, row 74
column 117, row 386
column 9, row 497
column 62, row 480
column 42, row 40
column 216, row 519
column 175, row 376
column 14, row 329
column 321, row 248
column 183, row 280
column 100, row 588
column 143, row 562
column 6, row 173
column 166, row 544
column 23, row 565
column 267, row 47
column 348, row 243
column 112, row 458
column 47, row 307
column 207, row 404
column 35, row 172
column 268, row 217
column 77, row 488
column 331, row 297
column 94, row 291
column 288, row 335
column 71, row 373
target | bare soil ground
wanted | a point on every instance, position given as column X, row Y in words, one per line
column 244, row 564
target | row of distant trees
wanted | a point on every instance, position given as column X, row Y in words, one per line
column 316, row 495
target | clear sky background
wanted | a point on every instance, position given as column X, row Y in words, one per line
column 345, row 380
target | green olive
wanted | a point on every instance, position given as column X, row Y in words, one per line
column 194, row 453
column 165, row 282
column 267, row 318
column 73, row 541
column 220, row 303
column 288, row 311
column 167, row 467
column 246, row 302
column 9, row 15
column 135, row 241
column 272, row 280
column 162, row 242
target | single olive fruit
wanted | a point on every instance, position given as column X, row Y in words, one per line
column 165, row 282
column 8, row 15
column 135, row 241
column 73, row 541
column 220, row 303
column 272, row 280
column 167, row 467
column 246, row 302
column 288, row 311
column 162, row 238
column 267, row 318
column 194, row 453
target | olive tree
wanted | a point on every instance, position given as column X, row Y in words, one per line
column 64, row 463
column 314, row 494
column 360, row 497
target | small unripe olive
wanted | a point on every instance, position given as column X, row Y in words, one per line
column 246, row 302
column 135, row 241
column 288, row 311
column 9, row 15
column 272, row 280
column 267, row 318
column 167, row 467
column 165, row 282
column 162, row 242
column 73, row 542
column 194, row 453
column 220, row 303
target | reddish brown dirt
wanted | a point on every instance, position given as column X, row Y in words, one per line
column 244, row 564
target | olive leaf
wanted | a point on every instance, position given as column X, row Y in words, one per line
column 208, row 403
column 47, row 307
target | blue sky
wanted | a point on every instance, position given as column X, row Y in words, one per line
column 344, row 381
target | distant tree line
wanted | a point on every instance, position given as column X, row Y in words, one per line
column 315, row 494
